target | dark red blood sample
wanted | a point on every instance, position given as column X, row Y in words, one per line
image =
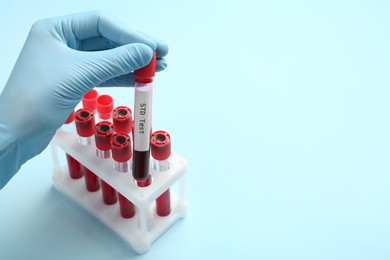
column 132, row 130
column 163, row 204
column 141, row 165
column 92, row 182
column 145, row 183
column 109, row 194
column 127, row 208
column 122, row 119
column 75, row 169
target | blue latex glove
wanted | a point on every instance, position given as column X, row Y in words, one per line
column 62, row 59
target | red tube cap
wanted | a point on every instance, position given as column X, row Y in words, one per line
column 122, row 119
column 103, row 133
column 105, row 105
column 146, row 74
column 160, row 144
column 85, row 122
column 121, row 147
column 89, row 99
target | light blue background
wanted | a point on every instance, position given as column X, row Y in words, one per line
column 280, row 107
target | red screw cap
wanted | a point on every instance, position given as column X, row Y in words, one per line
column 85, row 122
column 89, row 99
column 122, row 119
column 121, row 147
column 160, row 144
column 103, row 133
column 146, row 74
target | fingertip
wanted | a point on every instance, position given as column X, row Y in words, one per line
column 162, row 49
column 161, row 64
column 150, row 43
column 144, row 49
column 116, row 62
column 141, row 53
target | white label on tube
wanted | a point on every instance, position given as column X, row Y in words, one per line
column 142, row 116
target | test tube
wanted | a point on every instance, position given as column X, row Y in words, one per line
column 92, row 182
column 109, row 193
column 85, row 126
column 121, row 152
column 90, row 100
column 161, row 150
column 74, row 167
column 105, row 105
column 142, row 119
column 127, row 208
column 122, row 119
column 103, row 132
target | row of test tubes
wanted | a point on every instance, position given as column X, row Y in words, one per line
column 113, row 135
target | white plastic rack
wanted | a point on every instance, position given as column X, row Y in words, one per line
column 146, row 226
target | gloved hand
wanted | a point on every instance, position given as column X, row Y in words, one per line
column 62, row 59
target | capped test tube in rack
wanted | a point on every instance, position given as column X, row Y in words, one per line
column 85, row 127
column 161, row 151
column 74, row 167
column 103, row 133
column 121, row 152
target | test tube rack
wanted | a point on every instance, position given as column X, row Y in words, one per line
column 146, row 226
